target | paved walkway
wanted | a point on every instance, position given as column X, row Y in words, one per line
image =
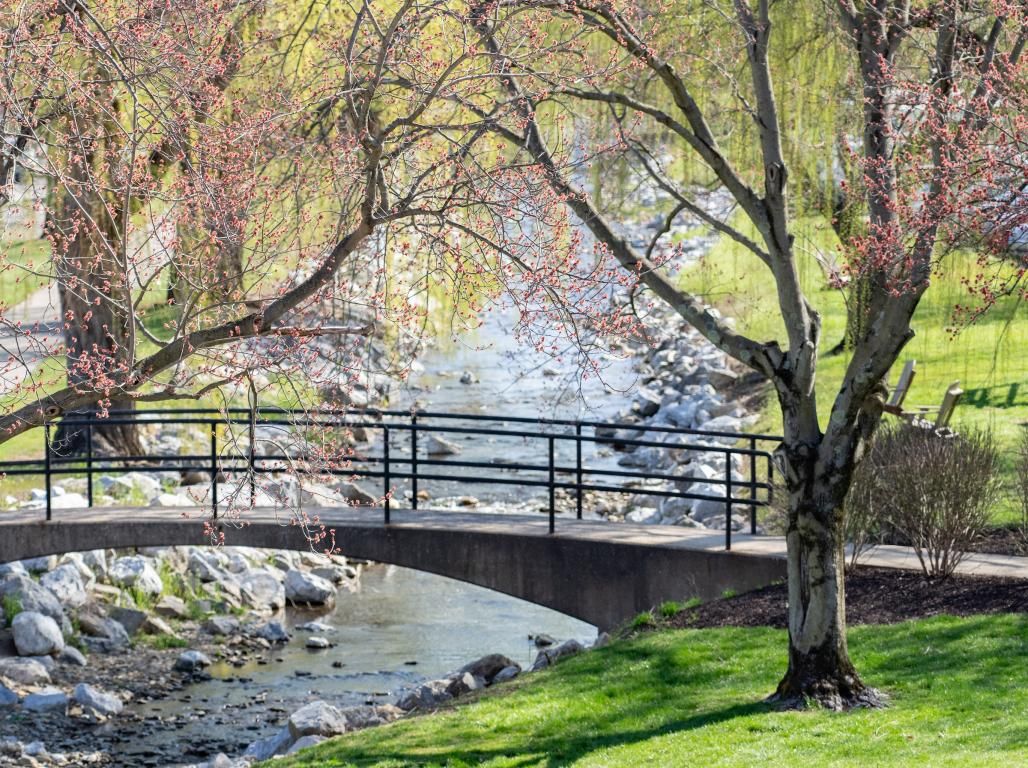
column 657, row 536
column 19, row 355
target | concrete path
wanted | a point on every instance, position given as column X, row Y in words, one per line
column 656, row 536
column 20, row 354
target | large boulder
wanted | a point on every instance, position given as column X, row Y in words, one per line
column 65, row 582
column 550, row 656
column 36, row 634
column 33, row 597
column 317, row 718
column 24, row 671
column 261, row 589
column 265, row 749
column 191, row 661
column 426, row 696
column 45, row 700
column 202, row 567
column 273, row 632
column 301, row 587
column 172, row 607
column 135, row 571
column 130, row 618
column 440, row 446
column 488, row 667
column 92, row 698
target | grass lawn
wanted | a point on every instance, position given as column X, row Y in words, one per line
column 959, row 692
column 988, row 358
column 24, row 268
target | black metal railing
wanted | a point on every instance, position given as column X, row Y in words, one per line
column 748, row 486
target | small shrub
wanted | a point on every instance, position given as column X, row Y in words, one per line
column 692, row 602
column 864, row 516
column 163, row 642
column 12, row 607
column 644, row 619
column 670, row 608
column 1021, row 471
column 937, row 490
column 728, row 594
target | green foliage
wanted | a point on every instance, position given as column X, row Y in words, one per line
column 163, row 642
column 12, row 607
column 729, row 594
column 958, row 687
column 644, row 619
column 692, row 602
column 670, row 608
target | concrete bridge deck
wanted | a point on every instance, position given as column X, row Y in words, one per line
column 600, row 572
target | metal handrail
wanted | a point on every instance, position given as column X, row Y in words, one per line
column 552, row 474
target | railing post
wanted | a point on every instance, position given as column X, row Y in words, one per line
column 728, row 499
column 252, row 424
column 770, row 481
column 46, row 468
column 385, row 472
column 414, row 459
column 578, row 468
column 553, row 488
column 214, row 468
column 89, row 462
column 753, row 486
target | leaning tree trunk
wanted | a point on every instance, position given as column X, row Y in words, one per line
column 820, row 669
column 96, row 309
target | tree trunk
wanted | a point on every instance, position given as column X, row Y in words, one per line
column 820, row 670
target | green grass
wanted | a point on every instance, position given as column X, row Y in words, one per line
column 11, row 607
column 959, row 692
column 163, row 642
column 988, row 358
column 24, row 268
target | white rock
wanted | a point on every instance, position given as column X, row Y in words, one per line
column 24, row 671
column 643, row 516
column 36, row 634
column 45, row 700
column 65, row 582
column 172, row 500
column 136, row 571
column 189, row 661
column 261, row 589
column 440, row 446
column 95, row 699
column 317, row 642
column 307, row 741
column 271, row 746
column 303, row 587
column 317, row 718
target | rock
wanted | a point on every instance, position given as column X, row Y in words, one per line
column 643, row 516
column 336, row 574
column 370, row 716
column 24, row 671
column 36, row 634
column 171, row 607
column 354, row 493
column 264, row 749
column 190, row 661
column 273, row 632
column 468, row 378
column 45, row 700
column 96, row 561
column 14, row 568
column 317, row 643
column 155, row 625
column 440, row 446
column 647, row 402
column 104, row 703
column 550, row 656
column 722, row 378
column 172, row 500
column 33, row 597
column 40, row 564
column 681, row 414
column 130, row 618
column 47, row 661
column 103, row 628
column 464, row 682
column 489, row 666
column 673, row 507
column 507, row 673
column 202, row 568
column 307, row 588
column 426, row 696
column 261, row 589
column 73, row 656
column 8, row 698
column 315, row 626
column 317, row 718
column 221, row 625
column 307, row 741
column 65, row 583
column 543, row 640
column 136, row 572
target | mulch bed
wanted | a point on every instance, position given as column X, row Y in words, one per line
column 873, row 596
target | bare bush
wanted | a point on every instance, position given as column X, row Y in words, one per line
column 863, row 525
column 936, row 491
column 1021, row 468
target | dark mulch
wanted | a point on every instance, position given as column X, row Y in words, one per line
column 873, row 596
column 1002, row 541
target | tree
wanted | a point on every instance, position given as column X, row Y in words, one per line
column 942, row 92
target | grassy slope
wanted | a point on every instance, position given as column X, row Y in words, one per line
column 987, row 358
column 693, row 698
column 24, row 268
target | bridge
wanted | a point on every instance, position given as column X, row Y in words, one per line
column 598, row 571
